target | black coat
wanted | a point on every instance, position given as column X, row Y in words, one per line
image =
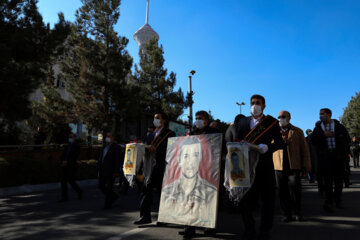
column 71, row 156
column 160, row 155
column 112, row 161
column 342, row 141
column 272, row 138
column 205, row 130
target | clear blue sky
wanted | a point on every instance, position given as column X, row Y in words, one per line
column 300, row 55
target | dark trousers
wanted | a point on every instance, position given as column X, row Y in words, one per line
column 263, row 188
column 146, row 200
column 333, row 176
column 106, row 185
column 68, row 176
column 356, row 159
column 289, row 187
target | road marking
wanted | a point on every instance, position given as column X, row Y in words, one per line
column 128, row 233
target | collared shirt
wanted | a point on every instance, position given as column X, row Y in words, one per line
column 254, row 121
column 330, row 140
column 106, row 149
column 158, row 132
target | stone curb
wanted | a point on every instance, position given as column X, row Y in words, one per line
column 26, row 189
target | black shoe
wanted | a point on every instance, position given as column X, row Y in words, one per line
column 63, row 200
column 143, row 220
column 209, row 232
column 161, row 224
column 300, row 218
column 80, row 194
column 188, row 232
column 328, row 208
column 287, row 219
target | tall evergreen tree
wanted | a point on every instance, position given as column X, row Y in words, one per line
column 156, row 88
column 351, row 116
column 25, row 45
column 53, row 113
column 95, row 66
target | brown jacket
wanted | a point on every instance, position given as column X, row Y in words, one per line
column 298, row 151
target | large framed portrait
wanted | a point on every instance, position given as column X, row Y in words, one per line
column 190, row 187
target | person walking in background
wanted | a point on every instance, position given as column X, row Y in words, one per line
column 355, row 150
column 39, row 138
column 214, row 125
column 230, row 133
column 109, row 168
column 69, row 167
column 332, row 141
column 288, row 164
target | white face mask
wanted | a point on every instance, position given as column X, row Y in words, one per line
column 157, row 122
column 71, row 140
column 283, row 122
column 107, row 139
column 256, row 110
column 199, row 124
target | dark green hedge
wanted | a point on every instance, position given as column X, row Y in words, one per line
column 18, row 171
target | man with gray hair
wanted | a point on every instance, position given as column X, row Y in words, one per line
column 289, row 161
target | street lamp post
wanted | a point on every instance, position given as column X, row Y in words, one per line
column 240, row 104
column 191, row 93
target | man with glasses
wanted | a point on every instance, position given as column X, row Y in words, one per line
column 288, row 164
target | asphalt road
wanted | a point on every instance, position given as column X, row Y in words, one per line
column 40, row 216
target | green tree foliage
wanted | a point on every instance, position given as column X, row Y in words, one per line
column 53, row 113
column 25, row 45
column 156, row 88
column 23, row 36
column 95, row 66
column 351, row 116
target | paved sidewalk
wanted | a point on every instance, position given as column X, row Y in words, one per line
column 39, row 216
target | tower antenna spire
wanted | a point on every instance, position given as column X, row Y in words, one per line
column 147, row 12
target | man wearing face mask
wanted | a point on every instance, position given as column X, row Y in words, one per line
column 69, row 167
column 109, row 168
column 264, row 131
column 288, row 164
column 202, row 119
column 158, row 146
column 332, row 143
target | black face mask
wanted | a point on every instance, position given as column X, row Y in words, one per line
column 323, row 118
